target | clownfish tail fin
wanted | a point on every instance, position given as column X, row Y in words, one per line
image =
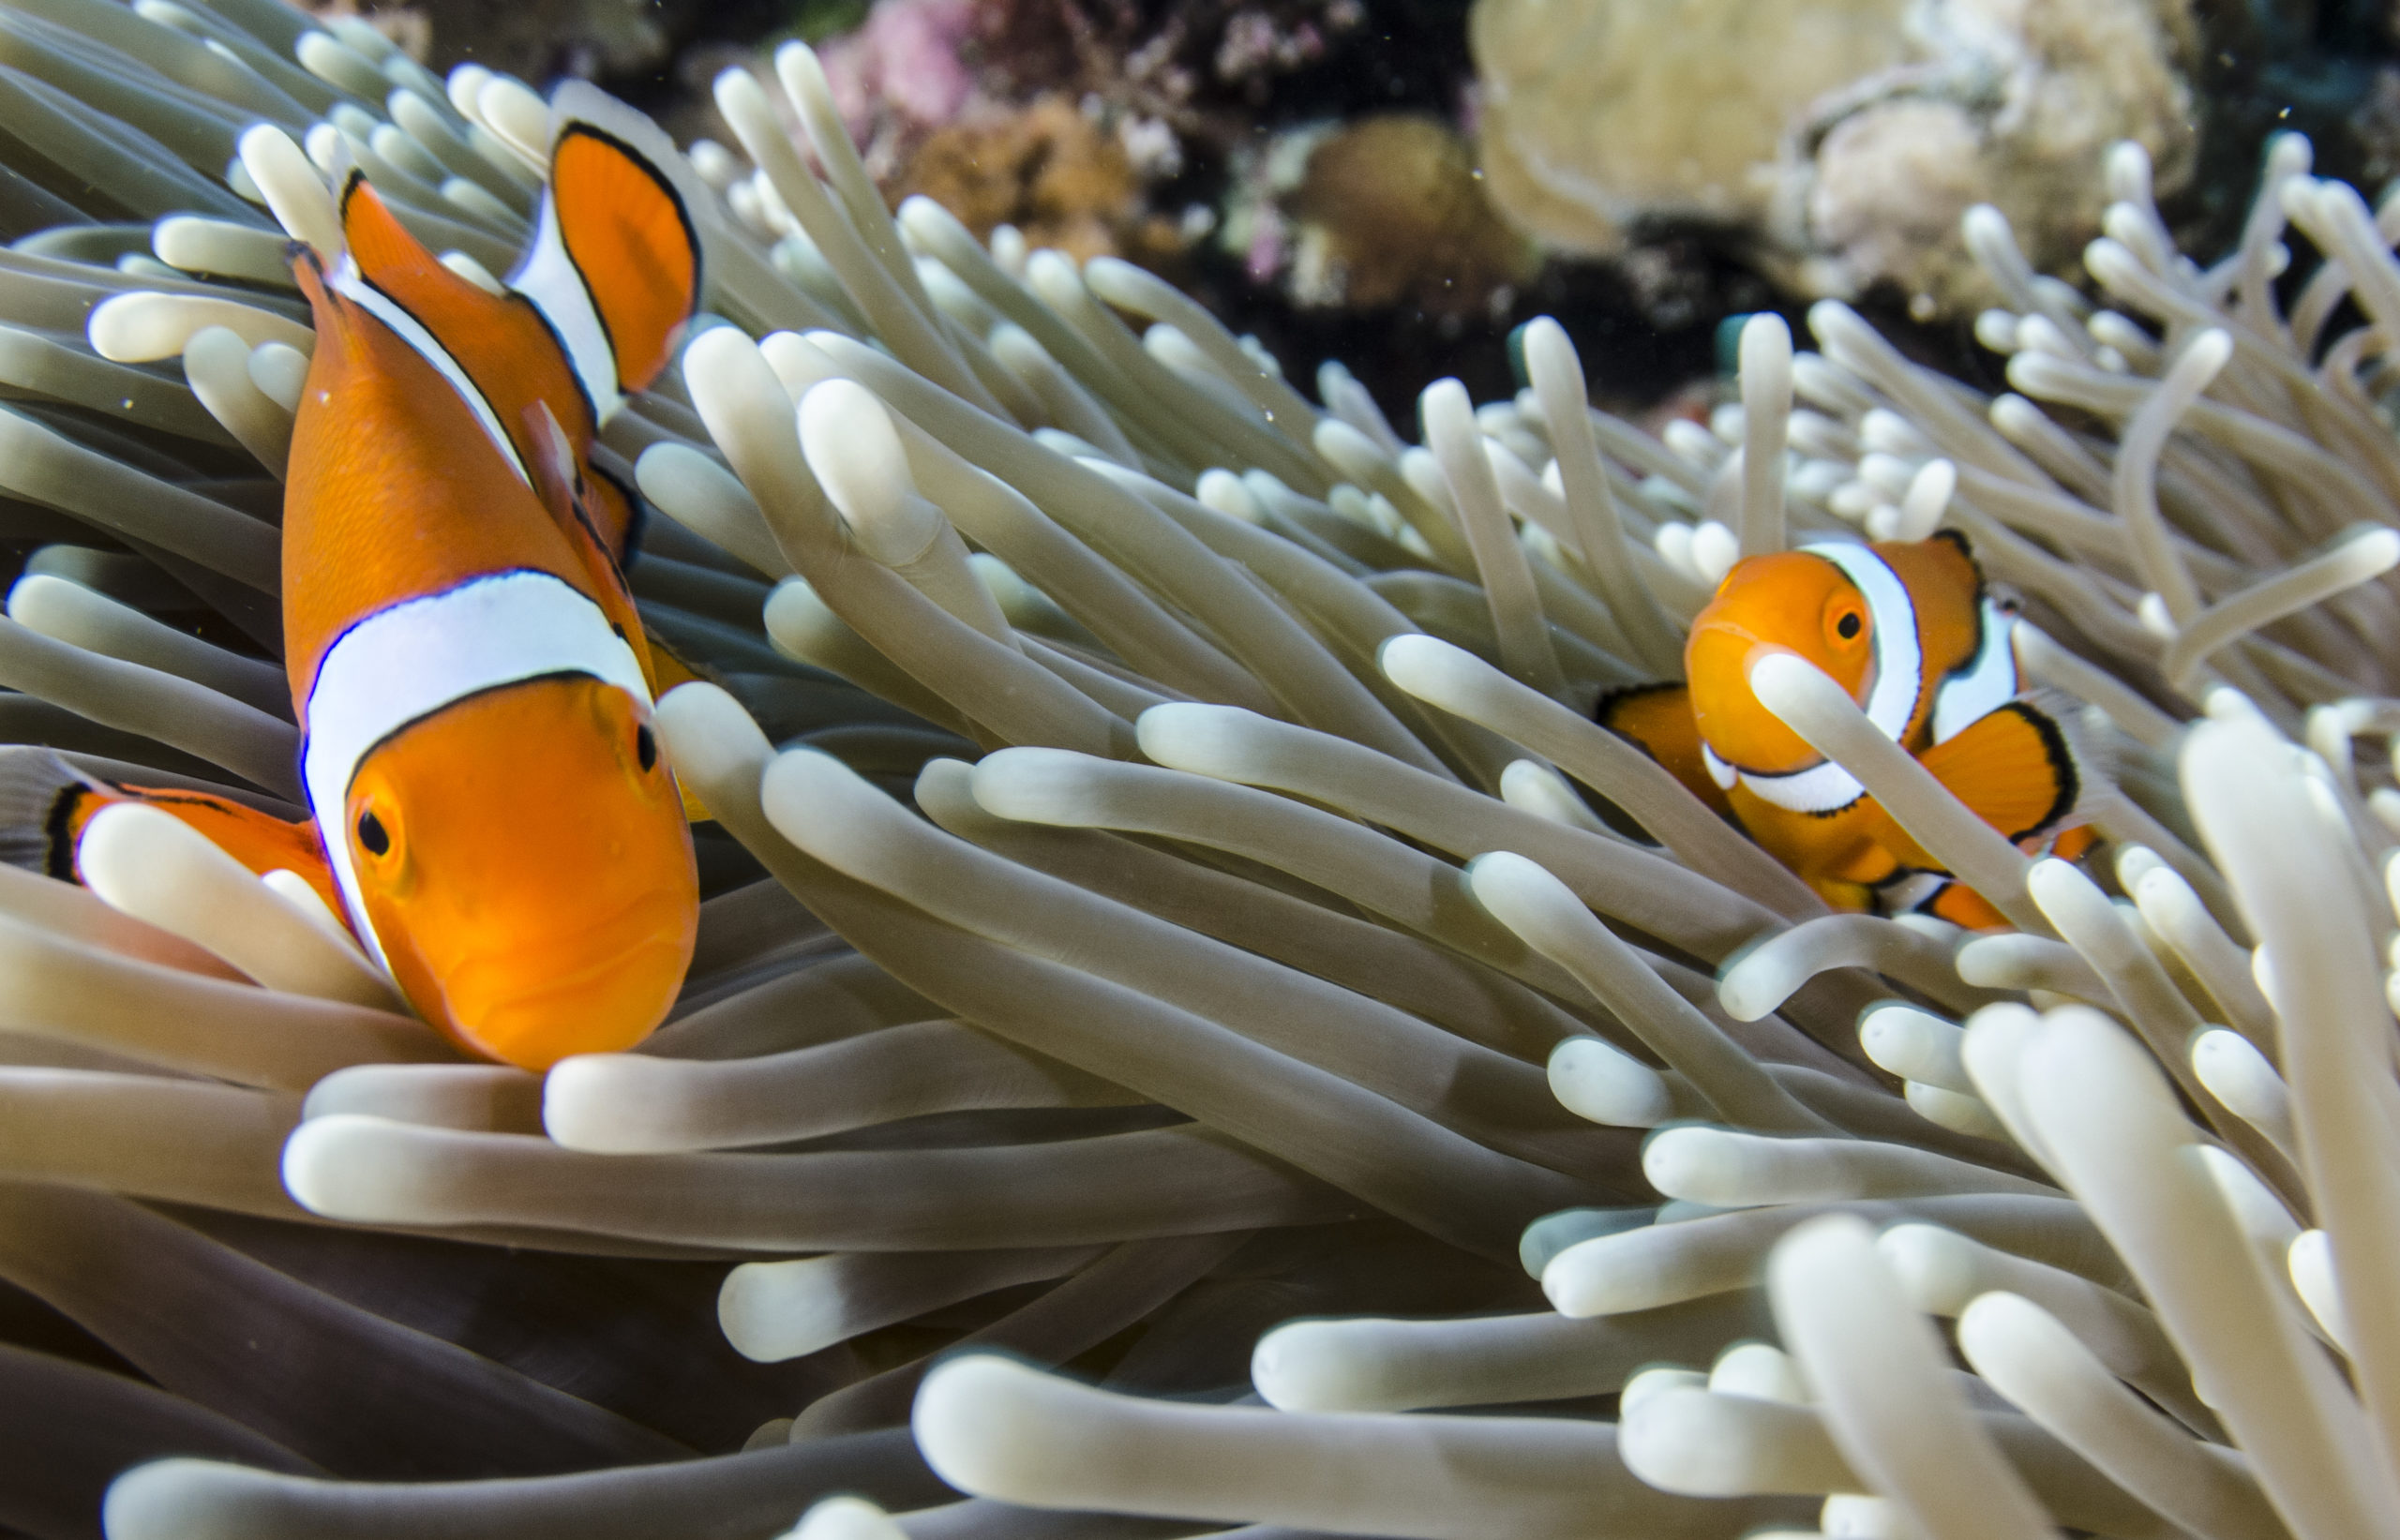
column 2093, row 746
column 2028, row 768
column 616, row 263
column 47, row 802
column 41, row 795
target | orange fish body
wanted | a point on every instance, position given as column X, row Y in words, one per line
column 490, row 810
column 1908, row 631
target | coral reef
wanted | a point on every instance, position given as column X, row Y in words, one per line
column 1382, row 212
column 1164, row 882
column 902, row 72
column 1050, row 171
column 1596, row 118
column 1182, row 135
column 1842, row 141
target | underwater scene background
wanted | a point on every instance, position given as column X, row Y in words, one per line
column 1194, row 1027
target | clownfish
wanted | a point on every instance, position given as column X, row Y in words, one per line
column 1910, row 629
column 489, row 811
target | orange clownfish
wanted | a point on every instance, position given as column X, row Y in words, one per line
column 490, row 809
column 1910, row 631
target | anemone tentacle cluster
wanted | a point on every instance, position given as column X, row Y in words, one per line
column 1166, row 884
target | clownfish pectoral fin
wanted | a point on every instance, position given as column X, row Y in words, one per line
column 555, row 475
column 602, row 529
column 2014, row 767
column 615, row 267
column 46, row 804
column 673, row 668
column 1658, row 719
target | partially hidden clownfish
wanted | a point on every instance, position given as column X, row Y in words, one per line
column 491, row 812
column 1910, row 631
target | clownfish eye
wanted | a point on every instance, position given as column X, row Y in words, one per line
column 645, row 747
column 1845, row 619
column 372, row 835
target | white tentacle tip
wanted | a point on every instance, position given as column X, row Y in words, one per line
column 738, row 84
column 2310, row 1261
column 2208, row 353
column 1749, row 994
column 977, row 1424
column 846, row 1519
column 119, row 843
column 1935, row 1269
column 1698, row 1164
column 1194, row 736
column 162, row 1499
column 1428, row 667
column 1596, row 1079
column 338, row 1166
column 1447, row 400
column 1302, row 1367
column 581, row 1098
column 1501, row 879
column 714, row 349
column 1353, row 452
column 797, row 55
column 849, row 441
column 1983, row 222
column 2374, row 552
column 706, row 732
column 1760, row 1370
column 1765, row 343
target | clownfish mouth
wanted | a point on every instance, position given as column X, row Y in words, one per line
column 599, row 989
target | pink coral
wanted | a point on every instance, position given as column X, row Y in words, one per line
column 905, row 61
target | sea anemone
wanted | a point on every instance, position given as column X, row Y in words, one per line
column 1166, row 882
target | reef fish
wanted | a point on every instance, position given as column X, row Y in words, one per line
column 1912, row 632
column 489, row 811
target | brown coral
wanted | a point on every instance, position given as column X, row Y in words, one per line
column 1391, row 210
column 1046, row 168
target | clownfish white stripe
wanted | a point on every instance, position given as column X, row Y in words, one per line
column 551, row 280
column 1908, row 891
column 353, row 284
column 1987, row 683
column 1819, row 788
column 1900, row 656
column 408, row 661
column 1719, row 772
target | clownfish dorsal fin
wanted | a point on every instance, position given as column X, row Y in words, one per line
column 1657, row 718
column 2015, row 767
column 615, row 266
column 375, row 239
column 388, row 272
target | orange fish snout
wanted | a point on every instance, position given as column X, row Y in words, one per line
column 1790, row 602
column 523, row 858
